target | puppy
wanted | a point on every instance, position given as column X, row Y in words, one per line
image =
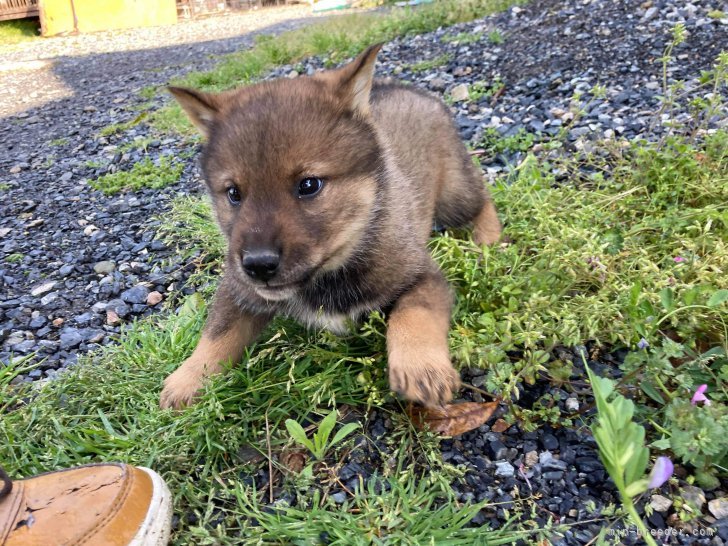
column 326, row 188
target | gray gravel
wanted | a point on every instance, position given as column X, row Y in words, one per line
column 72, row 259
column 38, row 72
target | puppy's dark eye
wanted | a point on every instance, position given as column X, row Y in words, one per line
column 310, row 186
column 233, row 195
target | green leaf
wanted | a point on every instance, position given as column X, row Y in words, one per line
column 636, row 488
column 192, row 305
column 689, row 296
column 636, row 466
column 325, row 427
column 628, row 452
column 622, row 411
column 634, row 293
column 717, row 298
column 667, row 298
column 605, row 446
column 298, row 434
column 664, row 443
column 344, row 432
column 715, row 351
column 601, row 386
column 650, row 390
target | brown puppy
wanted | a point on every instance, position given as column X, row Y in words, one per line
column 326, row 188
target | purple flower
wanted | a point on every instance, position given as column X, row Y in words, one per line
column 642, row 344
column 678, row 259
column 699, row 396
column 661, row 472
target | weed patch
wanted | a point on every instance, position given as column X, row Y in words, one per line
column 586, row 261
column 424, row 66
column 14, row 258
column 493, row 143
column 144, row 174
column 115, row 128
column 19, row 30
column 171, row 119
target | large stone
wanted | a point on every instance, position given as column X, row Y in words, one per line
column 504, row 469
column 136, row 294
column 693, row 495
column 105, row 267
column 438, row 84
column 459, row 93
column 70, row 338
column 43, row 288
column 153, row 298
column 719, row 508
column 531, row 458
column 660, row 503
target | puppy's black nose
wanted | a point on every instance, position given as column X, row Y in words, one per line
column 261, row 265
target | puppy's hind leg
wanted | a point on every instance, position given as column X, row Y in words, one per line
column 226, row 335
column 419, row 359
column 463, row 199
column 486, row 226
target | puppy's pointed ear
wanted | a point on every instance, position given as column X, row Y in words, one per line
column 354, row 80
column 200, row 107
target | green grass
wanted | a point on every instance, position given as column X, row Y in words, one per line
column 577, row 252
column 190, row 219
column 172, row 120
column 59, row 142
column 14, row 258
column 144, row 174
column 589, row 262
column 593, row 242
column 19, row 30
column 139, row 143
column 424, row 66
column 115, row 128
column 337, row 39
column 495, row 37
column 106, row 408
column 494, row 143
column 149, row 92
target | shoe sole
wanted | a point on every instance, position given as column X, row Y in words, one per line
column 157, row 524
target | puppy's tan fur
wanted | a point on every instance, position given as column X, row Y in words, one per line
column 391, row 163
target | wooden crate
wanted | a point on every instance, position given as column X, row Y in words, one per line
column 18, row 9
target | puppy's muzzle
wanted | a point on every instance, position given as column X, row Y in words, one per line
column 261, row 265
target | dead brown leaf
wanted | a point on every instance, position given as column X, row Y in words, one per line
column 500, row 426
column 294, row 460
column 454, row 419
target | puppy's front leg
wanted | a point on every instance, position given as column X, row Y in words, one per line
column 227, row 332
column 419, row 359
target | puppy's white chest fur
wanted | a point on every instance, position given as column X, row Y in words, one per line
column 337, row 323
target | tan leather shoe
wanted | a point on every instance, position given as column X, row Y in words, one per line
column 93, row 505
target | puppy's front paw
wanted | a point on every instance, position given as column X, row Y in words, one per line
column 180, row 389
column 425, row 376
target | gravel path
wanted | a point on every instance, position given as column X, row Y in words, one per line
column 86, row 66
column 75, row 262
column 54, row 230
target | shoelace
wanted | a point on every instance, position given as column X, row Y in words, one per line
column 7, row 484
